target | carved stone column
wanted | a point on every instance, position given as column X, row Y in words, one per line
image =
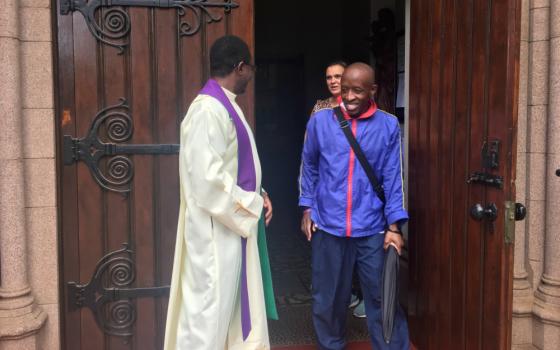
column 539, row 36
column 20, row 318
column 547, row 296
column 522, row 290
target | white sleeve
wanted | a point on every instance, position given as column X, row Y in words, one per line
column 203, row 139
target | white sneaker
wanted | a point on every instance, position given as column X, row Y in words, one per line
column 354, row 300
column 360, row 310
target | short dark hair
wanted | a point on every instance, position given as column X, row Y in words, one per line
column 226, row 53
column 337, row 63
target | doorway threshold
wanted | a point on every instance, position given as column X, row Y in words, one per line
column 350, row 346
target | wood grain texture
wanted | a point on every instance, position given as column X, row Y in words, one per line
column 159, row 74
column 463, row 88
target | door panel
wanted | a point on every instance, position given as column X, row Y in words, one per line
column 142, row 92
column 463, row 83
column 462, row 93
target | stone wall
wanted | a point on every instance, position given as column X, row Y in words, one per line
column 536, row 287
column 29, row 303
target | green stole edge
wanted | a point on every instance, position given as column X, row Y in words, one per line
column 270, row 302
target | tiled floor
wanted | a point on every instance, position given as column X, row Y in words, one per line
column 351, row 346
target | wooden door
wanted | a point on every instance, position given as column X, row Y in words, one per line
column 463, row 95
column 126, row 75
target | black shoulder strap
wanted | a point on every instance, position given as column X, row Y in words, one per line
column 345, row 126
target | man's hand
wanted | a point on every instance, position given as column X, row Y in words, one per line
column 394, row 239
column 307, row 225
column 267, row 209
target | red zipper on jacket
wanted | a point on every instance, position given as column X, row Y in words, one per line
column 349, row 192
column 370, row 112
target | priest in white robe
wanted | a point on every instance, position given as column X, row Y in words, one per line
column 216, row 297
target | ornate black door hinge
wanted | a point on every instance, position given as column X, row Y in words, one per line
column 108, row 294
column 91, row 148
column 114, row 25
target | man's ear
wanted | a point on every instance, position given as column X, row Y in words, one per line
column 238, row 67
column 373, row 90
column 244, row 68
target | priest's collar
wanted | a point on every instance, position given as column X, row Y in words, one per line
column 230, row 95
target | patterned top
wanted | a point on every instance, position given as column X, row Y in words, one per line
column 321, row 104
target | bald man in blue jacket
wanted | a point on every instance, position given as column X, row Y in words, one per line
column 346, row 222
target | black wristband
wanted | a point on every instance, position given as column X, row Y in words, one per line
column 397, row 232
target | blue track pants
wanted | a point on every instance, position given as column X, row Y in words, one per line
column 332, row 262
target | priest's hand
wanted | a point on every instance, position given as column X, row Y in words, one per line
column 267, row 209
column 307, row 225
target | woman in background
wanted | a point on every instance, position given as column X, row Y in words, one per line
column 333, row 76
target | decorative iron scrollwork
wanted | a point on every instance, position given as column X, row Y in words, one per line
column 115, row 22
column 110, row 302
column 91, row 149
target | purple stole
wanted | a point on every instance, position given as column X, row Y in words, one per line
column 246, row 179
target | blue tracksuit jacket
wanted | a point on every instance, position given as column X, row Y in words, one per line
column 333, row 183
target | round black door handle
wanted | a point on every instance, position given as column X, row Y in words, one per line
column 520, row 212
column 479, row 213
column 558, row 172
